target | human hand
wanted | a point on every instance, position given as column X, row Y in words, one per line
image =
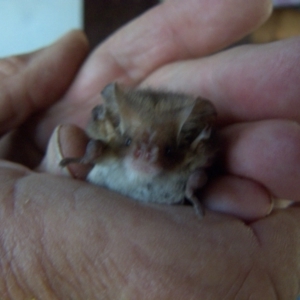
column 65, row 238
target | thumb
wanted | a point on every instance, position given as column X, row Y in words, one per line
column 31, row 82
column 65, row 141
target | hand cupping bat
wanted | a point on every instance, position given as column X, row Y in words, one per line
column 150, row 145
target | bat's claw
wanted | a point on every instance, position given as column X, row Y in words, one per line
column 195, row 182
column 70, row 160
column 198, row 206
column 93, row 151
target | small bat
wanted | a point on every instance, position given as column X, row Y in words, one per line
column 152, row 146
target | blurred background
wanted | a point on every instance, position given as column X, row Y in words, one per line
column 26, row 25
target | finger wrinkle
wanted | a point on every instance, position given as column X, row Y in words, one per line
column 162, row 45
column 125, row 69
column 10, row 66
column 171, row 30
column 19, row 243
column 280, row 231
column 219, row 23
column 262, row 285
column 120, row 60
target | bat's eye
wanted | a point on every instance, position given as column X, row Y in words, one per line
column 128, row 142
column 168, row 151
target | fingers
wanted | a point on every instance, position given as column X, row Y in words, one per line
column 242, row 198
column 31, row 82
column 70, row 225
column 175, row 30
column 266, row 152
column 263, row 158
column 246, row 83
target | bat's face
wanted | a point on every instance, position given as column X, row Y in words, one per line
column 152, row 150
column 153, row 132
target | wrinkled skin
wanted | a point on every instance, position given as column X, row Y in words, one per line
column 65, row 239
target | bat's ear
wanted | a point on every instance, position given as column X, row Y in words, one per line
column 203, row 110
column 197, row 125
column 98, row 112
column 112, row 92
column 113, row 95
column 204, row 134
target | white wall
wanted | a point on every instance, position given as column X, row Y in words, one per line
column 26, row 25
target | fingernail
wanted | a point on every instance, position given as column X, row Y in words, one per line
column 74, row 33
column 54, row 155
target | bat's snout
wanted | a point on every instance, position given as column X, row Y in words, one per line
column 146, row 153
column 144, row 160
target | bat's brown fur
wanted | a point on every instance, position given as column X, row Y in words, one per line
column 150, row 145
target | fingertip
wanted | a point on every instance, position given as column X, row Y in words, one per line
column 66, row 141
column 239, row 197
column 267, row 152
column 76, row 39
column 264, row 11
column 76, row 34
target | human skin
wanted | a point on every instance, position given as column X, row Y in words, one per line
column 63, row 238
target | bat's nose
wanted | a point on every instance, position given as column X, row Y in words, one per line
column 146, row 153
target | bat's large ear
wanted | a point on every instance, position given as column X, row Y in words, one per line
column 106, row 116
column 111, row 92
column 197, row 125
column 112, row 95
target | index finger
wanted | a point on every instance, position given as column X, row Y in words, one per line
column 175, row 30
column 246, row 83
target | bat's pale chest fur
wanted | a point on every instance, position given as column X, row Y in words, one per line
column 168, row 189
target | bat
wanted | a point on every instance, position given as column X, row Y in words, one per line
column 152, row 146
